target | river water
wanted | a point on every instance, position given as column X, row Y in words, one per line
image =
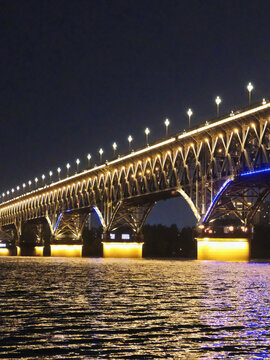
column 73, row 308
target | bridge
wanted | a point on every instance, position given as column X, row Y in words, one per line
column 220, row 168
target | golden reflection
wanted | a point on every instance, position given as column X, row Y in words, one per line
column 122, row 249
column 18, row 250
column 223, row 249
column 66, row 250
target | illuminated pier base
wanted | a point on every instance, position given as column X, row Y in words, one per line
column 66, row 250
column 4, row 252
column 223, row 249
column 8, row 251
column 122, row 249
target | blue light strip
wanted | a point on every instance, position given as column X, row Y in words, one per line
column 221, row 190
column 255, row 172
column 57, row 222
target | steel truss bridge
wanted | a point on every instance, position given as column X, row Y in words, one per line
column 219, row 168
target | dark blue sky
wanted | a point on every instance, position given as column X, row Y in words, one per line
column 78, row 75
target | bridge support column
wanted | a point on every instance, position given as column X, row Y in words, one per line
column 223, row 249
column 131, row 248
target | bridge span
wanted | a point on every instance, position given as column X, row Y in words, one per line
column 219, row 168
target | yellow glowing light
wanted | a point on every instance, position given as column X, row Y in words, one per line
column 223, row 249
column 4, row 252
column 18, row 250
column 38, row 250
column 66, row 250
column 122, row 250
column 220, row 135
column 253, row 125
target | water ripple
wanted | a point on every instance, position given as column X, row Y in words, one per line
column 57, row 308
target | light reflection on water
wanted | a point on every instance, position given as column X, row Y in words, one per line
column 64, row 308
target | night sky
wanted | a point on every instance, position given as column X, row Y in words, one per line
column 79, row 75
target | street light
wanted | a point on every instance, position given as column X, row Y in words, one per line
column 68, row 167
column 218, row 101
column 36, row 180
column 147, row 132
column 78, row 163
column 50, row 173
column 100, row 154
column 167, row 123
column 58, row 170
column 114, row 145
column 130, row 139
column 43, row 178
column 250, row 88
column 29, row 183
column 189, row 113
column 88, row 160
column 18, row 188
column 23, row 185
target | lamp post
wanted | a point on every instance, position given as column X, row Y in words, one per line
column 68, row 167
column 51, row 174
column 189, row 113
column 250, row 88
column 114, row 145
column 147, row 132
column 43, row 178
column 88, row 160
column 23, row 185
column 18, row 188
column 218, row 101
column 78, row 163
column 130, row 139
column 100, row 154
column 167, row 123
column 29, row 184
column 36, row 181
column 59, row 171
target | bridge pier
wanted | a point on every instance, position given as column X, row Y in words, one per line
column 223, row 243
column 223, row 249
column 118, row 247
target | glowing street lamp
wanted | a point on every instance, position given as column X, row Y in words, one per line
column 78, row 163
column 114, row 145
column 12, row 190
column 218, row 101
column 29, row 184
column 23, row 185
column 88, row 160
column 68, row 167
column 167, row 123
column 147, row 132
column 249, row 88
column 100, row 154
column 189, row 113
column 58, row 170
column 18, row 188
column 130, row 139
column 36, row 180
column 51, row 174
column 43, row 178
